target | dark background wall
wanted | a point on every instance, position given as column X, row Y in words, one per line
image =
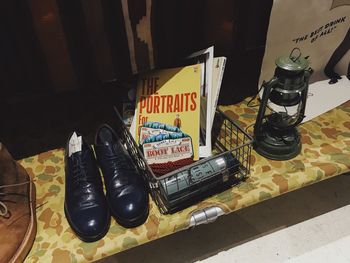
column 63, row 64
column 236, row 28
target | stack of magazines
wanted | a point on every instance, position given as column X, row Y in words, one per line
column 171, row 111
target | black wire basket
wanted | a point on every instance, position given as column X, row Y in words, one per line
column 229, row 165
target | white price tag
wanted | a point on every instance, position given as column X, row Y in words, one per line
column 75, row 144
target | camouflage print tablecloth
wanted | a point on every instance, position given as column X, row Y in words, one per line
column 325, row 153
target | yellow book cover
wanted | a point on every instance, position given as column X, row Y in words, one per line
column 171, row 96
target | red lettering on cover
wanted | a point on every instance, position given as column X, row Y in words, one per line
column 177, row 103
column 149, row 107
column 193, row 99
column 163, row 103
column 150, row 85
column 158, row 152
column 142, row 103
column 142, row 119
column 180, row 149
column 156, row 85
column 169, row 103
column 182, row 103
column 156, row 104
column 186, row 100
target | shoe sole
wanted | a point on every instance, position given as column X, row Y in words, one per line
column 81, row 236
column 30, row 234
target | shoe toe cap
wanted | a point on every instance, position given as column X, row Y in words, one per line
column 131, row 203
column 91, row 224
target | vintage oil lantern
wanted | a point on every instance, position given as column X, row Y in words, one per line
column 284, row 97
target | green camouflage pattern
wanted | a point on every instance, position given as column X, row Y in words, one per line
column 325, row 153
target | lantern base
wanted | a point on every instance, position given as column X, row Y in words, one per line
column 278, row 145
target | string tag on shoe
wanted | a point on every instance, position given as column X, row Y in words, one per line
column 75, row 144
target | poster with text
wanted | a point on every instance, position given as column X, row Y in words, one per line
column 319, row 28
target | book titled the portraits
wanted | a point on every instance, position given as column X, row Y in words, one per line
column 171, row 96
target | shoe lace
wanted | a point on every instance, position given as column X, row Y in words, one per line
column 117, row 162
column 4, row 212
column 120, row 164
column 79, row 172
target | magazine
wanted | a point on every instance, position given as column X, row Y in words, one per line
column 213, row 71
column 218, row 73
column 172, row 97
column 205, row 58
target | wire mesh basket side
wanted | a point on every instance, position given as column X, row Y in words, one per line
column 231, row 137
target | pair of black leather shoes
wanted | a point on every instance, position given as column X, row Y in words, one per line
column 86, row 206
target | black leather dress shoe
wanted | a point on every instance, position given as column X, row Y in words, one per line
column 85, row 204
column 127, row 195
